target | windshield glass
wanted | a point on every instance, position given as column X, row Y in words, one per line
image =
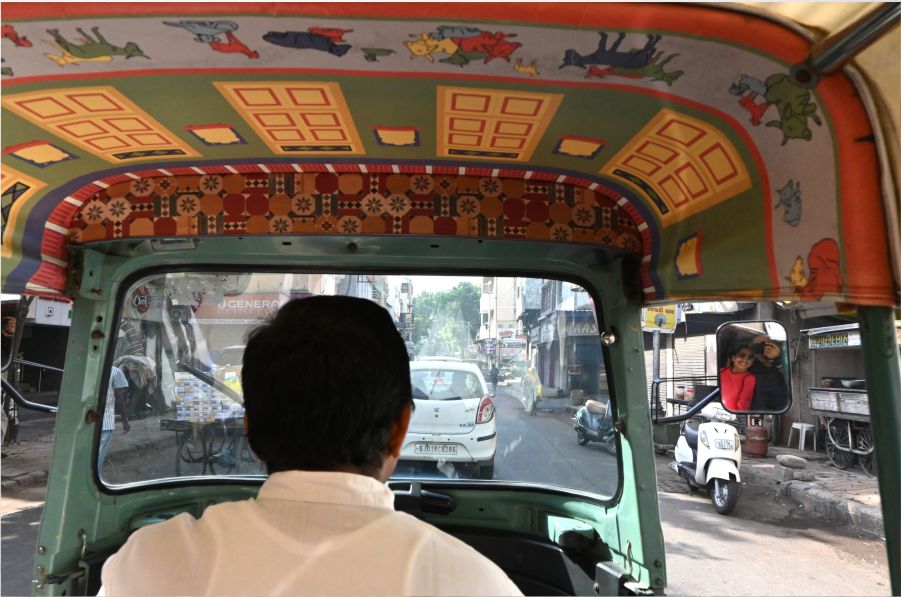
column 499, row 367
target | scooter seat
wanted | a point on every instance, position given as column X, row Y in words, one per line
column 691, row 435
column 595, row 407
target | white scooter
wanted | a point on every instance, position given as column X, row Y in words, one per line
column 708, row 456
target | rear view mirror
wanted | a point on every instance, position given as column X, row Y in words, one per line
column 753, row 367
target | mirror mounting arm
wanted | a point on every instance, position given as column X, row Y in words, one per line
column 698, row 407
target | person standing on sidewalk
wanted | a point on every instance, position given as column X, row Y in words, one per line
column 494, row 374
column 115, row 399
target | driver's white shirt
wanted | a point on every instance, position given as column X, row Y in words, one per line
column 306, row 533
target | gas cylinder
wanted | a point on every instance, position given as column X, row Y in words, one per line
column 756, row 441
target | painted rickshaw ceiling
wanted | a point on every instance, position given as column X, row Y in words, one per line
column 674, row 132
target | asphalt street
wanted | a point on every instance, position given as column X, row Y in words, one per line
column 769, row 546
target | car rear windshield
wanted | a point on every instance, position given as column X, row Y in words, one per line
column 446, row 384
column 180, row 346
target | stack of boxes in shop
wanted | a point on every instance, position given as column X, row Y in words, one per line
column 197, row 402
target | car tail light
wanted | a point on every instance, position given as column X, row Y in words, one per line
column 486, row 410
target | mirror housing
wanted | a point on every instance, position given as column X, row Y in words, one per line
column 754, row 373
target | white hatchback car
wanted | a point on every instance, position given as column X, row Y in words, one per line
column 453, row 423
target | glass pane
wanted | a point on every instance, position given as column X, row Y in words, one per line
column 499, row 367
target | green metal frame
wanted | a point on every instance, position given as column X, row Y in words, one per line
column 883, row 366
column 82, row 517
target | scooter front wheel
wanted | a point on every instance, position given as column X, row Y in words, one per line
column 724, row 495
column 610, row 444
column 581, row 437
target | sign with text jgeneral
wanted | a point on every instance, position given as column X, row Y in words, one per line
column 242, row 309
column 660, row 319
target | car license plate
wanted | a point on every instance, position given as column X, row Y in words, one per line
column 450, row 449
column 724, row 444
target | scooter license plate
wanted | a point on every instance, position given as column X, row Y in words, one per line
column 423, row 448
column 724, row 444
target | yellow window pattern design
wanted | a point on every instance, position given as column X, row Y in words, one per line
column 99, row 120
column 683, row 165
column 493, row 124
column 296, row 118
column 15, row 189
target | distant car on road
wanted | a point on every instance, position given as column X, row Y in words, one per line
column 454, row 418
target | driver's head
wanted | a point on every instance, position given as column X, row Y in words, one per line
column 326, row 384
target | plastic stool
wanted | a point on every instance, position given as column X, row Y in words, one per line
column 803, row 428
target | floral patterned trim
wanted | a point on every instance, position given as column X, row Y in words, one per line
column 341, row 199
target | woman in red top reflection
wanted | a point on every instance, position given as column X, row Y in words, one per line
column 736, row 383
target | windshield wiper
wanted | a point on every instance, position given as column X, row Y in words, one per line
column 434, row 383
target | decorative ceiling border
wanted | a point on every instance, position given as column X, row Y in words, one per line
column 377, row 199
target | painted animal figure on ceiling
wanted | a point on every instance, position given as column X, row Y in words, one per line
column 91, row 50
column 334, row 34
column 208, row 32
column 653, row 71
column 790, row 200
column 749, row 89
column 307, row 40
column 795, row 107
column 452, row 31
column 531, row 69
column 373, row 54
column 824, row 275
column 9, row 32
column 462, row 45
column 791, row 100
column 493, row 45
column 613, row 56
column 426, row 46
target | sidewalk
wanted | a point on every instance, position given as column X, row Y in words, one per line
column 28, row 461
column 845, row 497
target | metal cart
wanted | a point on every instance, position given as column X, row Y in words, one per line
column 841, row 403
column 201, row 446
column 845, row 415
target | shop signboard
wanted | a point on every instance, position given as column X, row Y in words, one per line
column 837, row 339
column 660, row 319
column 547, row 331
column 51, row 312
column 242, row 309
column 588, row 327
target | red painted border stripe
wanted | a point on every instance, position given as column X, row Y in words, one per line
column 867, row 270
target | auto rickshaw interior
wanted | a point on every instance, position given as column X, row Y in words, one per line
column 177, row 172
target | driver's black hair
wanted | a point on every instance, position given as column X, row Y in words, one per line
column 323, row 382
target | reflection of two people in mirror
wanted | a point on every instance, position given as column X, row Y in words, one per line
column 753, row 379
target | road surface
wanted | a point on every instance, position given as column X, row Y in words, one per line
column 768, row 546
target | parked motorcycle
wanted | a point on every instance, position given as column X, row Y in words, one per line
column 594, row 423
column 708, row 456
